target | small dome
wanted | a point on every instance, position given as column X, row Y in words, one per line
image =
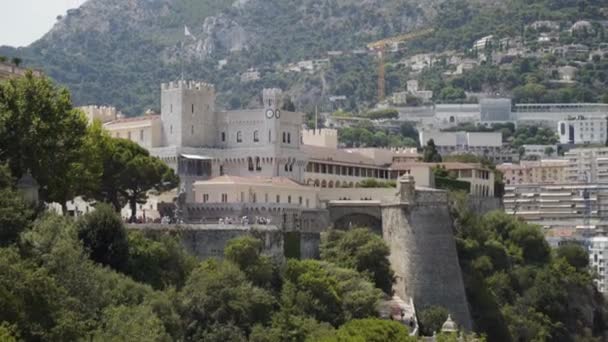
column 449, row 325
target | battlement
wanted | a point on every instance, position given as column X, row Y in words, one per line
column 102, row 113
column 320, row 132
column 189, row 85
column 320, row 137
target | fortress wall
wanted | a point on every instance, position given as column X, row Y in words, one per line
column 209, row 241
column 424, row 256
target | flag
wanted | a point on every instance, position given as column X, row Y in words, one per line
column 187, row 32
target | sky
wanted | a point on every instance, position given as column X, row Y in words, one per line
column 24, row 21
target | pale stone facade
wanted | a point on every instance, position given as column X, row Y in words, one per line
column 252, row 190
column 200, row 143
column 102, row 113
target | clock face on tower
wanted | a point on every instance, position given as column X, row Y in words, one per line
column 269, row 113
column 277, row 113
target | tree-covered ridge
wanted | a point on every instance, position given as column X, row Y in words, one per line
column 521, row 290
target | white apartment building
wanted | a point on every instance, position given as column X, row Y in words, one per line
column 582, row 131
column 568, row 205
column 598, row 254
column 483, row 144
column 587, row 165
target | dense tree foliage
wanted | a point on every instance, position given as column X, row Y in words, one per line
column 362, row 250
column 519, row 290
column 14, row 212
column 430, row 153
column 366, row 135
column 104, row 236
column 129, row 172
column 41, row 133
column 431, row 319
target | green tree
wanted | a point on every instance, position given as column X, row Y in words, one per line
column 158, row 260
column 218, row 292
column 373, row 330
column 129, row 173
column 574, row 254
column 362, row 250
column 430, row 154
column 137, row 323
column 245, row 252
column 15, row 216
column 42, row 133
column 431, row 319
column 104, row 236
column 327, row 293
column 17, row 61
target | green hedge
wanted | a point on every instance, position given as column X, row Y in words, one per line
column 452, row 184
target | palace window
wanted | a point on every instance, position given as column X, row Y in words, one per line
column 224, row 198
column 193, row 108
column 284, row 137
column 205, row 198
column 192, row 129
column 141, row 135
column 269, row 136
column 223, row 136
column 289, row 138
column 250, row 163
column 239, row 137
column 256, row 136
column 258, row 167
column 289, row 199
column 278, row 198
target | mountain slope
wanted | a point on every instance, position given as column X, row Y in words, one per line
column 116, row 52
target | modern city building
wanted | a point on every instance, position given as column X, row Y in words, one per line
column 568, row 205
column 598, row 258
column 582, row 130
column 482, row 144
column 587, row 165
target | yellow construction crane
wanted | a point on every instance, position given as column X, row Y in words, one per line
column 380, row 46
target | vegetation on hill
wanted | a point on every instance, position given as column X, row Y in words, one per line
column 365, row 134
column 521, row 290
column 118, row 55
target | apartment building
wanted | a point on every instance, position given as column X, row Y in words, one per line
column 568, row 205
column 534, row 172
column 587, row 165
column 482, row 144
column 598, row 253
column 582, row 131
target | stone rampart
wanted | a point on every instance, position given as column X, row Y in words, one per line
column 209, row 240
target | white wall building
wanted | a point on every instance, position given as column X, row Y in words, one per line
column 488, row 144
column 582, row 131
column 587, row 165
column 598, row 256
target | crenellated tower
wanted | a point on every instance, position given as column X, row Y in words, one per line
column 188, row 114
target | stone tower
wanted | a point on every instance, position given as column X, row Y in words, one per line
column 188, row 114
column 418, row 229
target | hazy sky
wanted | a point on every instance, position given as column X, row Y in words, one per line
column 24, row 21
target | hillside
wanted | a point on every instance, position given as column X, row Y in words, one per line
column 116, row 52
